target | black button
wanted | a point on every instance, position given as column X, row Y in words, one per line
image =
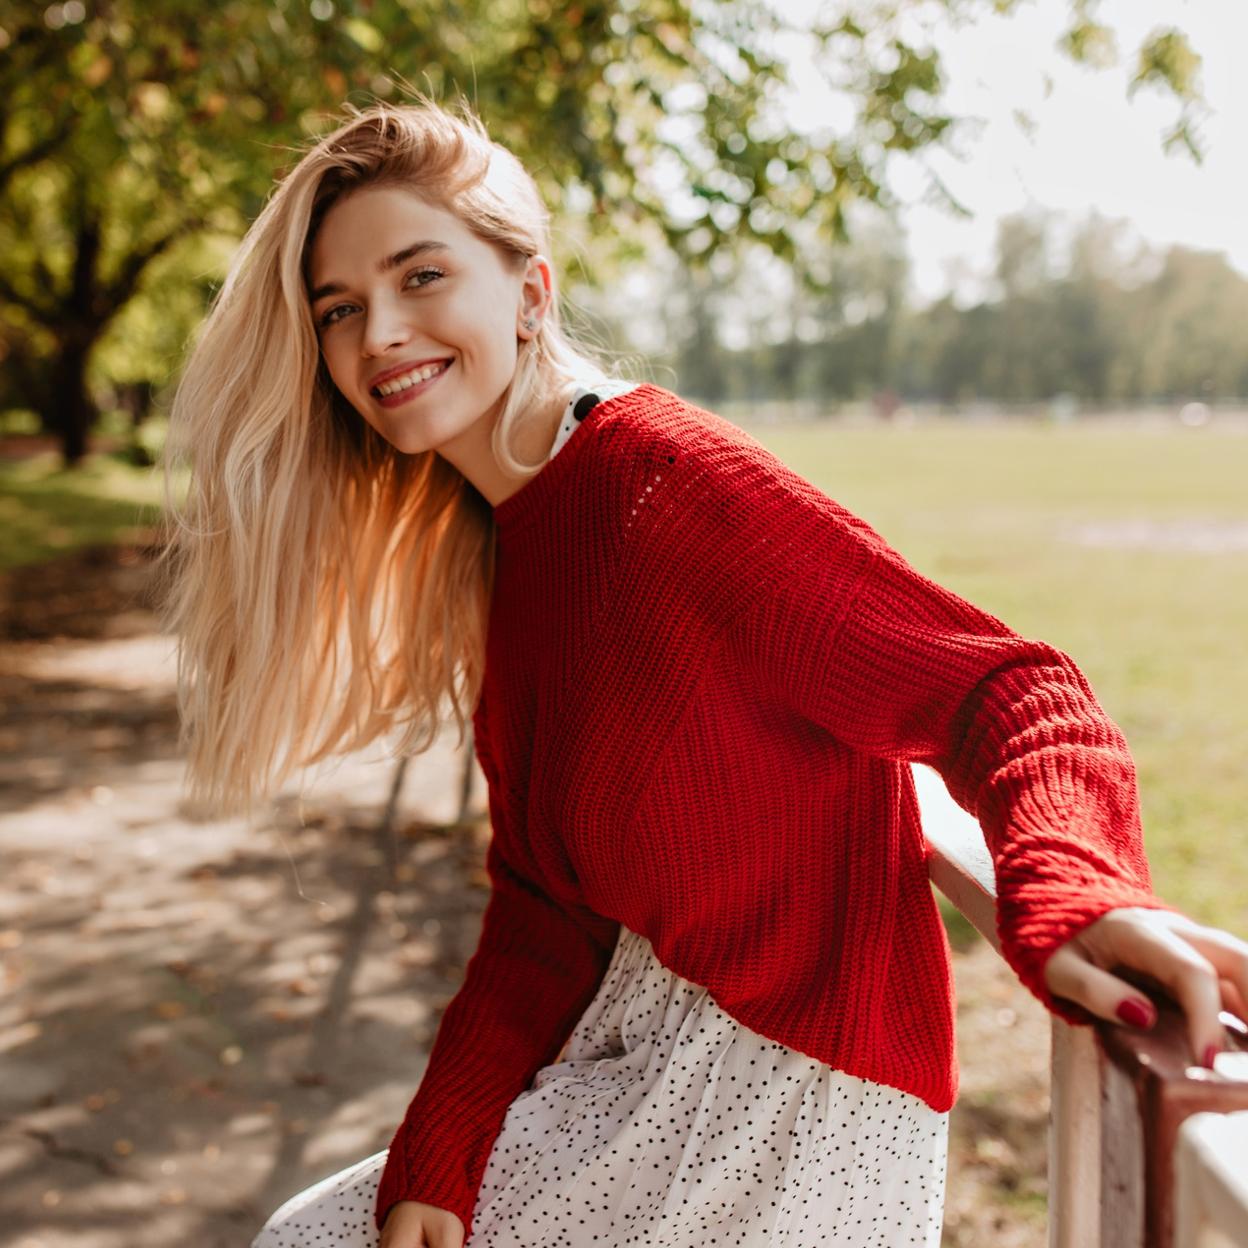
column 584, row 405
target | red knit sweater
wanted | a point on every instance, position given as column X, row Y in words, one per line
column 705, row 682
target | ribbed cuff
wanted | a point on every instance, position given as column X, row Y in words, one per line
column 1027, row 951
column 434, row 1180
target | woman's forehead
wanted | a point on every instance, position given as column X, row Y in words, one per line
column 375, row 230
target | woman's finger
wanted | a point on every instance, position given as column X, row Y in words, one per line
column 1189, row 976
column 412, row 1239
column 1233, row 1000
column 1071, row 973
column 1165, row 958
column 449, row 1233
column 1228, row 955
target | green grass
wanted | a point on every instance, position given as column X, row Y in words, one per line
column 962, row 933
column 1159, row 633
column 46, row 510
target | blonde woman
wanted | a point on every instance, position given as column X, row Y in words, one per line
column 712, row 1000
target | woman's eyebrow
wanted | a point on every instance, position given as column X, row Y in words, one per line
column 383, row 266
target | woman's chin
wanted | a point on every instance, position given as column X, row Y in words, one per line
column 406, row 440
column 409, row 445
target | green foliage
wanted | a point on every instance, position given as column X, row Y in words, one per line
column 1168, row 60
column 137, row 140
column 46, row 510
column 1107, row 330
column 1090, row 43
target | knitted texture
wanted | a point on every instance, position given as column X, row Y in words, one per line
column 705, row 682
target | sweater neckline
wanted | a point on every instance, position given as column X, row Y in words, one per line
column 533, row 496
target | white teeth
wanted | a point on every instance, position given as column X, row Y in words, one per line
column 406, row 380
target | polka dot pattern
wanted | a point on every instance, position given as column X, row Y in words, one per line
column 668, row 1122
column 336, row 1211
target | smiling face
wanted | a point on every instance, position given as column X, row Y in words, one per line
column 404, row 295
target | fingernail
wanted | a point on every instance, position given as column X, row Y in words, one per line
column 1210, row 1054
column 1137, row 1013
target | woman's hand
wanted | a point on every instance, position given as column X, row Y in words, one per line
column 1203, row 968
column 411, row 1224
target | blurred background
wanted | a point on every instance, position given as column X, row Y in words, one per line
column 977, row 268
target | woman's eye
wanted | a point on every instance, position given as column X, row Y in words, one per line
column 428, row 276
column 432, row 274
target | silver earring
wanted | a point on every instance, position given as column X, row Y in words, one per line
column 530, row 323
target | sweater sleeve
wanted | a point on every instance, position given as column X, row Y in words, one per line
column 535, row 969
column 896, row 666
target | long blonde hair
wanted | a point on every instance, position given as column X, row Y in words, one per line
column 326, row 589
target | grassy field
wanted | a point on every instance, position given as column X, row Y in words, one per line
column 992, row 512
column 46, row 510
column 989, row 511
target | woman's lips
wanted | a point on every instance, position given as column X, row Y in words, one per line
column 400, row 397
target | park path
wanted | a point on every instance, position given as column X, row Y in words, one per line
column 198, row 1018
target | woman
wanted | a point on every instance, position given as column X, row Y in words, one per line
column 712, row 1000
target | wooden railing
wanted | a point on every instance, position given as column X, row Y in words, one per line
column 1145, row 1149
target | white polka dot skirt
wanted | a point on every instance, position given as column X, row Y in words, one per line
column 337, row 1211
column 667, row 1122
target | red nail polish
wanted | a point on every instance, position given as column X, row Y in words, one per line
column 1210, row 1053
column 1137, row 1013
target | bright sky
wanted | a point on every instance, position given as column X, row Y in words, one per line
column 1091, row 149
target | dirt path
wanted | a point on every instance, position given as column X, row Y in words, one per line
column 197, row 1019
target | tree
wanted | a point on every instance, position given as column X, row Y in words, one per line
column 1189, row 327
column 1023, row 264
column 129, row 133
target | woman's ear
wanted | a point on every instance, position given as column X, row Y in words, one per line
column 535, row 297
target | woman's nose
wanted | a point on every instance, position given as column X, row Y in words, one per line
column 384, row 327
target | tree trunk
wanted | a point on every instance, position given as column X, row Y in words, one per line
column 73, row 412
column 136, row 398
